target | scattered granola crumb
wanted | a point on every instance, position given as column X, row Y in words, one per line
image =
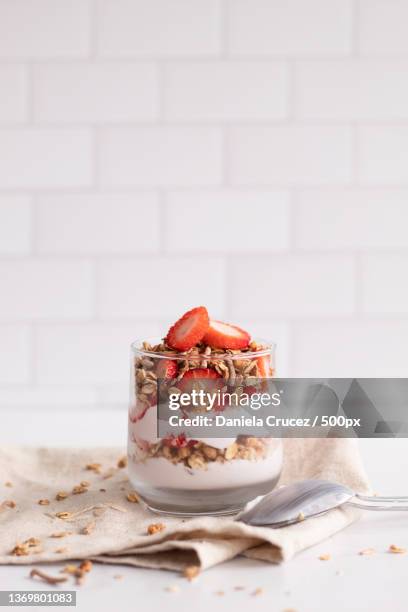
column 8, row 484
column 69, row 569
column 46, row 577
column 32, row 542
column 102, row 490
column 63, row 515
column 78, row 489
column 397, row 550
column 61, row 495
column 325, row 557
column 173, row 588
column 109, row 473
column 9, row 503
column 94, row 467
column 258, row 591
column 289, row 610
column 239, row 588
column 88, row 529
column 367, row 552
column 220, row 593
column 44, row 502
column 20, row 550
column 155, row 528
column 99, row 511
column 85, row 483
column 61, row 534
column 122, row 463
column 133, row 497
column 61, row 550
column 86, row 565
column 300, row 517
column 118, row 576
column 191, row 571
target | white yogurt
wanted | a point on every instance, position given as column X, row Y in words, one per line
column 159, row 472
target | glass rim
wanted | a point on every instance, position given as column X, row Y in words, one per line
column 137, row 349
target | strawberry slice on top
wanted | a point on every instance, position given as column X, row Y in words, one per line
column 225, row 336
column 189, row 330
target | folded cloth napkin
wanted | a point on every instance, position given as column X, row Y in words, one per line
column 102, row 524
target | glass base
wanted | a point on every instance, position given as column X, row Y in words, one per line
column 201, row 502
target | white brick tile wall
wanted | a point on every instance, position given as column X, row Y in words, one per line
column 348, row 90
column 383, row 283
column 293, row 285
column 95, row 92
column 304, row 155
column 39, row 29
column 225, row 91
column 289, row 27
column 15, row 225
column 155, row 28
column 45, row 158
column 383, row 154
column 41, row 289
column 117, row 223
column 351, row 219
column 14, row 354
column 351, row 349
column 160, row 287
column 92, row 354
column 14, row 89
column 259, row 209
column 250, row 155
column 163, row 156
column 383, row 29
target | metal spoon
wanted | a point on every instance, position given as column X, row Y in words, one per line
column 301, row 500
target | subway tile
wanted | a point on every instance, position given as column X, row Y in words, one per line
column 289, row 27
column 117, row 223
column 14, row 93
column 146, row 28
column 41, row 289
column 14, row 354
column 45, row 158
column 384, row 288
column 231, row 221
column 15, row 225
column 382, row 27
column 160, row 156
column 292, row 286
column 382, row 157
column 95, row 92
column 225, row 91
column 160, row 287
column 44, row 29
column 285, row 155
column 351, row 219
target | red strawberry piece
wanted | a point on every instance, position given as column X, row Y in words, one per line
column 167, row 368
column 189, row 330
column 225, row 336
column 264, row 366
column 200, row 374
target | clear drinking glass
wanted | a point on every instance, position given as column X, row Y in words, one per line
column 177, row 475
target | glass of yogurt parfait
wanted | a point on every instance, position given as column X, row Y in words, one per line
column 191, row 476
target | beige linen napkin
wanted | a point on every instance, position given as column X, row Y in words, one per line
column 118, row 528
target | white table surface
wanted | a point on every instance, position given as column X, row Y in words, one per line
column 347, row 581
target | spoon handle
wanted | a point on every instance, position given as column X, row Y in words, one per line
column 375, row 503
column 380, row 498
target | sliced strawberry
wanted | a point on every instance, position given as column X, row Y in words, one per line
column 189, row 330
column 166, row 369
column 225, row 336
column 185, row 383
column 264, row 366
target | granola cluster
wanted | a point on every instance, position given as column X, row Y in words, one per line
column 236, row 372
column 196, row 455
